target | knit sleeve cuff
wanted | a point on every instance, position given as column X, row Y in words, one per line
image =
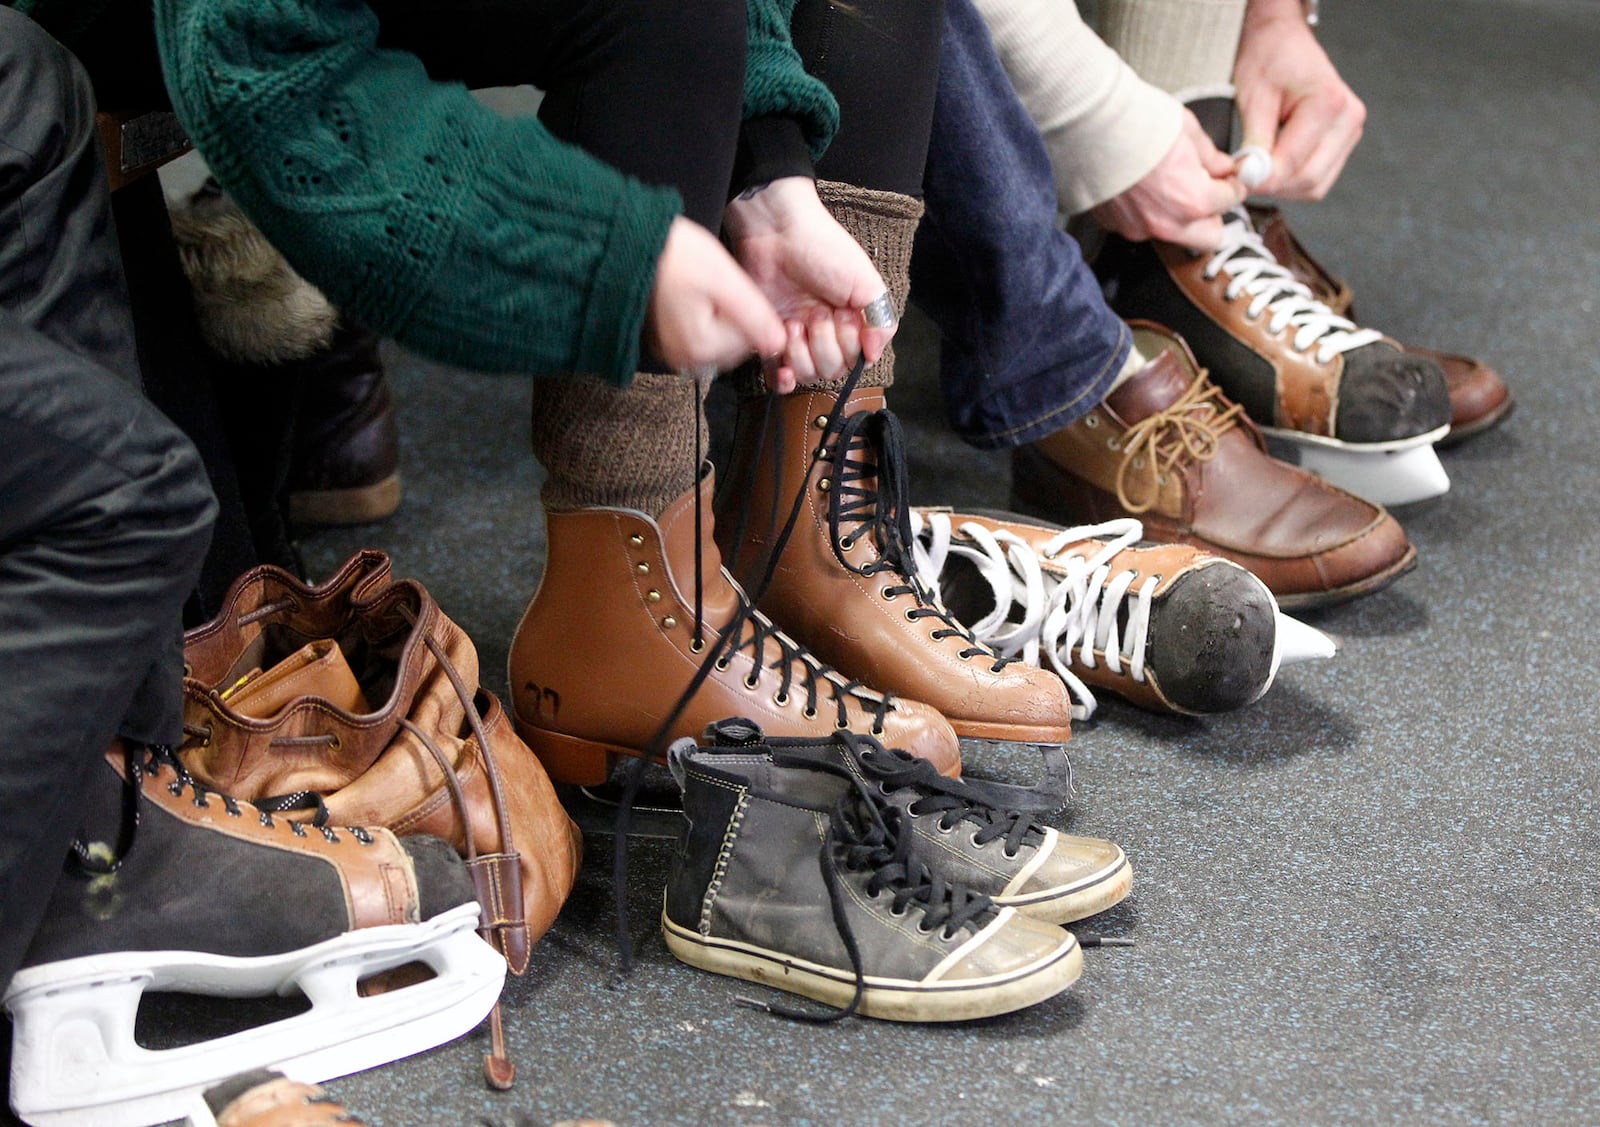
column 770, row 148
column 1103, row 157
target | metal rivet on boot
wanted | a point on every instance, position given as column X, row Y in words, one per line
column 669, row 622
column 636, row 540
column 820, row 421
column 653, row 595
column 644, row 568
column 824, row 484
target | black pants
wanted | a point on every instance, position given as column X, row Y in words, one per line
column 105, row 513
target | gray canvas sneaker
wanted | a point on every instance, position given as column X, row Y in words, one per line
column 787, row 878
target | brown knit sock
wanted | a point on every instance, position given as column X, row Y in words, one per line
column 884, row 223
column 630, row 448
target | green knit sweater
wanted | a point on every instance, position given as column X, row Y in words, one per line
column 475, row 239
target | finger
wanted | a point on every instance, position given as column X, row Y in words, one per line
column 1212, row 159
column 827, row 358
column 780, row 380
column 874, row 342
column 798, row 355
column 1224, row 193
column 847, row 326
column 1260, row 116
column 1204, row 235
column 1302, row 132
column 742, row 305
column 1327, row 163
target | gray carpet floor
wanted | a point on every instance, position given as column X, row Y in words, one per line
column 1371, row 897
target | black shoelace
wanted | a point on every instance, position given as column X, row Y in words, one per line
column 953, row 801
column 869, row 446
column 717, row 652
column 142, row 761
column 866, row 836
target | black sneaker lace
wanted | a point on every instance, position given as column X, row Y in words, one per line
column 146, row 761
column 951, row 800
column 869, row 447
column 716, row 652
column 865, row 835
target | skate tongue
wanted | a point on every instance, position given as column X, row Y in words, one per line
column 1159, row 385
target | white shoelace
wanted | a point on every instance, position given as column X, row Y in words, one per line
column 1253, row 272
column 1064, row 620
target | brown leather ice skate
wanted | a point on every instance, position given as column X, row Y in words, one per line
column 1479, row 397
column 845, row 584
column 617, row 630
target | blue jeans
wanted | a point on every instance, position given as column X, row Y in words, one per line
column 1029, row 343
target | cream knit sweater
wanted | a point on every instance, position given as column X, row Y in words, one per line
column 1104, row 126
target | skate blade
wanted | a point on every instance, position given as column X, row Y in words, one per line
column 1299, row 642
column 75, row 1062
column 1391, row 473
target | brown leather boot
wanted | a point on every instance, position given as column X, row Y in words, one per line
column 1168, row 447
column 845, row 584
column 361, row 691
column 616, row 631
column 1479, row 397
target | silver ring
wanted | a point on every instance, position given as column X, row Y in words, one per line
column 879, row 313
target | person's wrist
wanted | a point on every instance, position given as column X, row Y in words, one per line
column 767, row 206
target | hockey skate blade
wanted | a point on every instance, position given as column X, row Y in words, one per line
column 1299, row 642
column 1386, row 473
column 75, row 1063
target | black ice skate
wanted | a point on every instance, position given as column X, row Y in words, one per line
column 177, row 888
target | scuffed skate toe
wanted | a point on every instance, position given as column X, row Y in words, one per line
column 1386, row 395
column 1213, row 638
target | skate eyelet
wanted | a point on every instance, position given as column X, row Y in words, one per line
column 809, row 713
column 188, row 669
column 752, row 682
column 721, row 665
column 1091, row 421
column 845, row 543
column 781, row 700
column 912, row 615
column 697, row 645
column 877, row 729
column 889, row 594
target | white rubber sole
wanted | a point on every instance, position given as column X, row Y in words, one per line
column 75, row 1062
column 1079, row 900
column 1386, row 473
column 891, row 999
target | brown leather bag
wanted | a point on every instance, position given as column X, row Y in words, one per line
column 272, row 716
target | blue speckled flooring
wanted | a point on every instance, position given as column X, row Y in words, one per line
column 1374, row 896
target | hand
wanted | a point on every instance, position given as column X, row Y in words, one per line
column 704, row 310
column 1293, row 102
column 816, row 275
column 1181, row 199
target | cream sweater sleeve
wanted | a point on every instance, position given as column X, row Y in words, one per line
column 1104, row 127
